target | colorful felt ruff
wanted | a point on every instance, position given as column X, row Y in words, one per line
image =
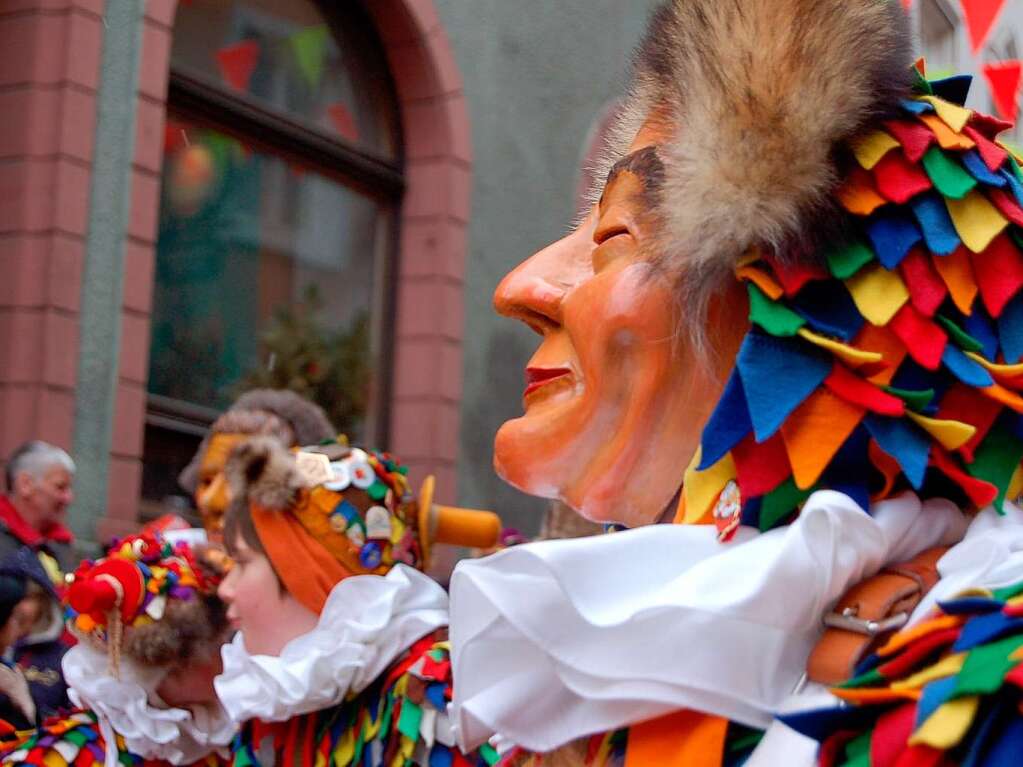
column 391, row 724
column 897, row 362
column 946, row 691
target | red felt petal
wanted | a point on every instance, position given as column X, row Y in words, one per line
column 926, row 288
column 793, row 276
column 979, row 492
column 898, row 179
column 858, row 391
column 761, row 468
column 914, row 136
column 924, row 340
column 989, row 125
column 1007, row 204
column 891, row 734
column 999, row 273
column 992, row 154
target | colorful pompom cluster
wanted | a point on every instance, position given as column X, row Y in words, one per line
column 948, row 690
column 139, row 576
column 73, row 740
column 400, row 720
column 364, row 512
column 896, row 360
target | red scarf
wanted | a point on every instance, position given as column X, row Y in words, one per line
column 27, row 534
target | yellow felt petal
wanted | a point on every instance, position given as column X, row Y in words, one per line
column 1010, row 371
column 947, row 138
column 849, row 354
column 953, row 115
column 951, row 435
column 871, row 148
column 946, row 667
column 762, row 280
column 976, row 220
column 945, row 728
column 700, row 489
column 878, row 293
column 1016, row 483
column 345, row 749
column 52, row 758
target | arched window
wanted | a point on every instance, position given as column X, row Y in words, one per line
column 282, row 176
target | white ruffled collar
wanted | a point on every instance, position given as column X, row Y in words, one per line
column 367, row 622
column 125, row 706
column 626, row 627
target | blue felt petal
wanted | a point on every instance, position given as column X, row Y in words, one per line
column 977, row 168
column 892, row 236
column 986, row 628
column 1007, row 745
column 818, row 724
column 440, row 756
column 1014, row 184
column 955, row 88
column 970, row 606
column 1010, row 330
column 830, row 310
column 728, row 424
column 916, row 107
column 980, row 326
column 777, row 375
column 934, row 694
column 850, row 467
column 939, row 231
column 965, row 369
column 751, row 512
column 905, row 443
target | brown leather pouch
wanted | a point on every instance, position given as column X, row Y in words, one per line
column 868, row 614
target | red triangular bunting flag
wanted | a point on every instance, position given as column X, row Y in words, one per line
column 1004, row 79
column 237, row 63
column 980, row 20
column 907, row 4
column 343, row 121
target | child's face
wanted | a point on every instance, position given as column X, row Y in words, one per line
column 23, row 617
column 259, row 606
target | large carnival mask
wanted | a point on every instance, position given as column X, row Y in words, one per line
column 615, row 395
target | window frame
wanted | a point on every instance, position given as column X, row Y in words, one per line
column 207, row 102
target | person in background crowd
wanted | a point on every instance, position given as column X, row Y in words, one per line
column 39, row 479
column 277, row 413
column 341, row 650
column 42, row 644
column 16, row 705
column 150, row 628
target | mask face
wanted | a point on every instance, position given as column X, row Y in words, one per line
column 615, row 396
column 212, row 494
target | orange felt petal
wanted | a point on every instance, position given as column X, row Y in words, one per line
column 884, row 342
column 907, row 636
column 869, row 695
column 858, row 195
column 947, row 138
column 957, row 273
column 1001, row 394
column 681, row 739
column 814, row 433
column 888, row 467
column 771, row 288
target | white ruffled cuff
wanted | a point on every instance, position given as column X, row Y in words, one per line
column 123, row 706
column 367, row 622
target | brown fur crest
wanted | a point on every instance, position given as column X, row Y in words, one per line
column 759, row 96
column 261, row 471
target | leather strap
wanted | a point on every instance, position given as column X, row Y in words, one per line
column 869, row 613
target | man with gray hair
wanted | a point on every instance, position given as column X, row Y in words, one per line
column 39, row 480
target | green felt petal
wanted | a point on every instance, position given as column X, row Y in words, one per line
column 961, row 337
column 775, row 318
column 845, row 260
column 947, row 175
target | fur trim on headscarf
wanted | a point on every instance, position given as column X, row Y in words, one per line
column 759, row 95
column 261, row 471
column 308, row 422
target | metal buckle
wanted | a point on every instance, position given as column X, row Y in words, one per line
column 848, row 620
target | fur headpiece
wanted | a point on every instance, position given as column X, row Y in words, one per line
column 759, row 96
column 306, row 420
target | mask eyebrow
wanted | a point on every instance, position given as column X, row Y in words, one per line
column 643, row 163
